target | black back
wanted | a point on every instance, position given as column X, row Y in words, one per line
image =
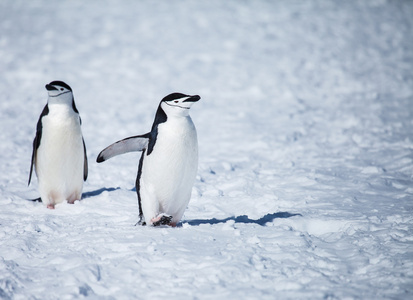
column 160, row 117
column 74, row 107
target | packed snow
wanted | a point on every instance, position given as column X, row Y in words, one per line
column 305, row 127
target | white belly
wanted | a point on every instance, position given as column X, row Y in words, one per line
column 60, row 159
column 169, row 172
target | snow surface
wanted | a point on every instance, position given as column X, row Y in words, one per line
column 305, row 126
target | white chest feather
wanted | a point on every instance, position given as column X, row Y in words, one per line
column 169, row 171
column 61, row 133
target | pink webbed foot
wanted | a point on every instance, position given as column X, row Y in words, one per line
column 162, row 220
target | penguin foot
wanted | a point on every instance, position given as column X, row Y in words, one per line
column 162, row 220
column 50, row 206
column 141, row 222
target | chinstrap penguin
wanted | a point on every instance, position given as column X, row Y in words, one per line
column 59, row 151
column 168, row 164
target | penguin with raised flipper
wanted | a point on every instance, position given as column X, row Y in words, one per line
column 59, row 151
column 168, row 164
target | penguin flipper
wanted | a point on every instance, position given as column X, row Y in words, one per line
column 130, row 144
column 33, row 159
column 37, row 138
column 85, row 167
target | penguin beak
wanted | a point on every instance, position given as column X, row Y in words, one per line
column 50, row 87
column 193, row 99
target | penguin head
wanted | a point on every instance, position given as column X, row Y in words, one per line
column 177, row 104
column 59, row 91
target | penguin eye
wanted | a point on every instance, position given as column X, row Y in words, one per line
column 61, row 89
column 176, row 101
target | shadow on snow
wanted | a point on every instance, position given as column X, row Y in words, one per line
column 240, row 219
column 243, row 219
column 98, row 192
column 87, row 194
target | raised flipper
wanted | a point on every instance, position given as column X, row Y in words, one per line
column 130, row 144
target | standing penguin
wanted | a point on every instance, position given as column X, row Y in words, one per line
column 59, row 151
column 168, row 164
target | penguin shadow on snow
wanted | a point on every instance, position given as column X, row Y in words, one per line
column 98, row 192
column 86, row 194
column 243, row 219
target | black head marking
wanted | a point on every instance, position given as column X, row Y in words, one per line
column 51, row 87
column 174, row 96
column 60, row 83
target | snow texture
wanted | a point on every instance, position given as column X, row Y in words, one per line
column 305, row 127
